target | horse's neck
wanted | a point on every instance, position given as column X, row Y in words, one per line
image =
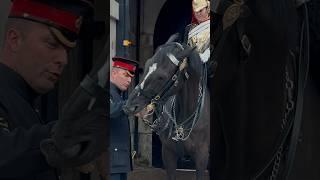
column 187, row 97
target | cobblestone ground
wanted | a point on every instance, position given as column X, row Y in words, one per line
column 160, row 174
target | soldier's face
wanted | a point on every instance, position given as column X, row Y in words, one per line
column 121, row 78
column 202, row 15
column 42, row 58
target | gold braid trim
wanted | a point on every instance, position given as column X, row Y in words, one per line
column 62, row 38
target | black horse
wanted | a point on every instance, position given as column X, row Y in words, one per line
column 260, row 69
column 175, row 83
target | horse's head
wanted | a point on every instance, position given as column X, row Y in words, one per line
column 164, row 72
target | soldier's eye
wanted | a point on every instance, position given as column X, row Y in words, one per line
column 125, row 74
column 51, row 43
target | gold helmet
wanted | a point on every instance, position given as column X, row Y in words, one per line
column 197, row 5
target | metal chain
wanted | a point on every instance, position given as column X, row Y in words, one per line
column 288, row 110
column 173, row 110
column 158, row 124
column 179, row 130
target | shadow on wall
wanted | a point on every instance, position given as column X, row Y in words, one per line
column 4, row 10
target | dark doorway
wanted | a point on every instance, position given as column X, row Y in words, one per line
column 174, row 16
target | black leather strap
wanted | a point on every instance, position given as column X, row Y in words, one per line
column 294, row 125
column 303, row 68
column 89, row 85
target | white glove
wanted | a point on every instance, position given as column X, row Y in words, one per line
column 205, row 55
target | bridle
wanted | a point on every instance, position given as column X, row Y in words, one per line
column 182, row 130
column 180, row 72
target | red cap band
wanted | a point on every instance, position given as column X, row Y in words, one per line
column 39, row 11
column 123, row 65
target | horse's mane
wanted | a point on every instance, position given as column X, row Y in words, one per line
column 195, row 62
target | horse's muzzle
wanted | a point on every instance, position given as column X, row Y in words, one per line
column 129, row 109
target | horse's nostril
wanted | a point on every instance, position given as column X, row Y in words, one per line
column 132, row 109
column 125, row 109
column 129, row 109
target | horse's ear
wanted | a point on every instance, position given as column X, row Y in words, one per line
column 186, row 52
column 173, row 38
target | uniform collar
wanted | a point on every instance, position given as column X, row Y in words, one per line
column 113, row 87
column 12, row 81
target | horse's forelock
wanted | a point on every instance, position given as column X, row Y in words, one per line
column 161, row 55
column 175, row 49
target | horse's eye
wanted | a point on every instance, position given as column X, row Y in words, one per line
column 161, row 78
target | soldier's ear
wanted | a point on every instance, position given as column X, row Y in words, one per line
column 13, row 39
